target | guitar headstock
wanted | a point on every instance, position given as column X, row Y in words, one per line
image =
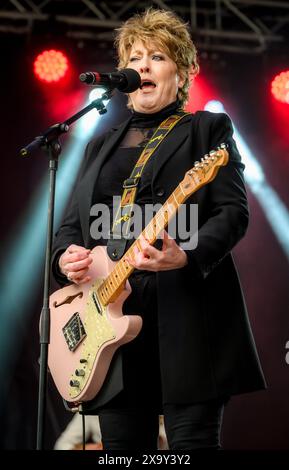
column 205, row 171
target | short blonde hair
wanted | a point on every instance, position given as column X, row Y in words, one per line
column 166, row 30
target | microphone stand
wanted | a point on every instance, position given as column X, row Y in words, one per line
column 49, row 141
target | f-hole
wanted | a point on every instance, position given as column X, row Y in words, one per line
column 68, row 300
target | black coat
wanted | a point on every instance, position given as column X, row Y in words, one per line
column 206, row 345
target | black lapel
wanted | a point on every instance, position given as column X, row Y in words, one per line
column 87, row 184
column 170, row 145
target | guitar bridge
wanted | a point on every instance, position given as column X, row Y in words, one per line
column 74, row 332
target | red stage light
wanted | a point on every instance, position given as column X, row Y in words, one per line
column 50, row 66
column 280, row 87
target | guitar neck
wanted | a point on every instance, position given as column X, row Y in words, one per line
column 113, row 284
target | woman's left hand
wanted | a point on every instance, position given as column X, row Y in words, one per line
column 149, row 258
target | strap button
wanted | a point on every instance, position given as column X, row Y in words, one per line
column 160, row 192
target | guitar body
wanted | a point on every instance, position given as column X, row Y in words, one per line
column 85, row 334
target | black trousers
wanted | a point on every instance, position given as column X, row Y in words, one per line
column 188, row 427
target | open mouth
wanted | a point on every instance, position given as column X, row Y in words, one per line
column 145, row 84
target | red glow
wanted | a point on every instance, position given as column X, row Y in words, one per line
column 280, row 87
column 200, row 92
column 50, row 66
column 64, row 104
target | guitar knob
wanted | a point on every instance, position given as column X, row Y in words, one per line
column 74, row 383
column 79, row 372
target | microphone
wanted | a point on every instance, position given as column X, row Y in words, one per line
column 126, row 80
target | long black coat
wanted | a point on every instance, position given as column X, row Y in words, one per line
column 206, row 345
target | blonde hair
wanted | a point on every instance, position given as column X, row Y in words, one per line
column 166, row 30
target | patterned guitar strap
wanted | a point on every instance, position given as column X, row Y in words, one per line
column 120, row 231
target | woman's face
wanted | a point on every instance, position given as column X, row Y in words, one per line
column 160, row 80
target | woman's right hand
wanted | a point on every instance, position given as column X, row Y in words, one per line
column 74, row 264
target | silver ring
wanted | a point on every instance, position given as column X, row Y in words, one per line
column 68, row 277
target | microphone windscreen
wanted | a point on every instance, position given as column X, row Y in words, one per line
column 132, row 82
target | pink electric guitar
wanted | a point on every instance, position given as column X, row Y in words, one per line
column 87, row 323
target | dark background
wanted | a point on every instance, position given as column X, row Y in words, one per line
column 252, row 421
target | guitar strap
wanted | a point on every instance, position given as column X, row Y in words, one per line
column 120, row 231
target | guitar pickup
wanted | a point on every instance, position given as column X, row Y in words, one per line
column 74, row 332
column 96, row 303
